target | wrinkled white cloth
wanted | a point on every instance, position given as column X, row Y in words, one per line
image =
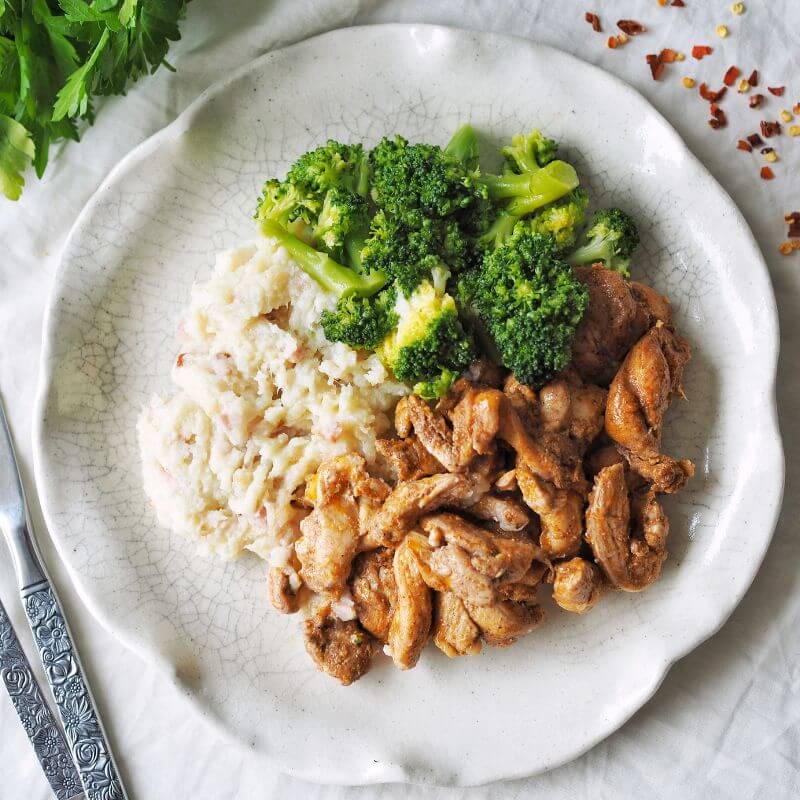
column 726, row 722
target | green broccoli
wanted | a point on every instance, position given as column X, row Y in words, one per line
column 329, row 274
column 332, row 165
column 529, row 151
column 526, row 192
column 361, row 322
column 611, row 237
column 464, row 147
column 343, row 213
column 429, row 338
column 437, row 387
column 561, row 219
column 528, row 302
column 284, row 203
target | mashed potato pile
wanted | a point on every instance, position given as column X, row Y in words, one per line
column 262, row 399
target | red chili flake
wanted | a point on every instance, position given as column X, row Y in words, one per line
column 656, row 70
column 753, row 79
column 718, row 117
column 793, row 218
column 631, row 27
column 756, row 100
column 593, row 20
column 668, row 55
column 700, row 50
column 731, row 75
column 678, row 3
column 767, row 174
column 612, row 42
column 743, row 145
column 789, row 247
column 776, row 90
column 755, row 140
column 769, row 129
column 715, row 123
column 712, row 97
column 180, row 359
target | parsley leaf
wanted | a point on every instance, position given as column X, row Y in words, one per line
column 16, row 151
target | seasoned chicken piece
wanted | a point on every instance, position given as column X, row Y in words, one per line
column 507, row 482
column 569, row 407
column 655, row 305
column 637, row 400
column 412, row 613
column 282, row 595
column 630, row 560
column 374, row 591
column 409, row 501
column 503, row 622
column 470, row 431
column 506, row 512
column 342, row 649
column 345, row 498
column 613, row 322
column 407, row 459
column 560, row 513
column 606, row 456
column 577, row 585
column 525, row 589
column 454, row 632
column 484, row 372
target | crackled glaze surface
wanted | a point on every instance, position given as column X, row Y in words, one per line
column 155, row 226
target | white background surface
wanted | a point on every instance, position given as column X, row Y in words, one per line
column 726, row 722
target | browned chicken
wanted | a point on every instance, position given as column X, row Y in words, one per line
column 341, row 649
column 507, row 513
column 570, row 408
column 637, row 401
column 412, row 614
column 281, row 595
column 505, row 621
column 407, row 459
column 655, row 305
column 577, row 585
column 630, row 559
column 346, row 497
column 454, row 632
column 613, row 322
column 374, row 591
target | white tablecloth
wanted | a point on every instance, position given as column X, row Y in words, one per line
column 726, row 722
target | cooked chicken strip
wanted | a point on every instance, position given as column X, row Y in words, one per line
column 407, row 459
column 509, row 514
column 560, row 513
column 655, row 305
column 569, row 407
column 374, row 591
column 503, row 622
column 577, row 585
column 412, row 612
column 342, row 649
column 345, row 498
column 525, row 589
column 637, row 401
column 454, row 632
column 281, row 595
column 630, row 562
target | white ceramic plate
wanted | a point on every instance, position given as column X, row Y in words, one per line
column 154, row 227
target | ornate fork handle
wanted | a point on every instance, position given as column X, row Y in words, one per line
column 85, row 737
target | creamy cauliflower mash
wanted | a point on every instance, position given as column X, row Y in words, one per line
column 262, row 398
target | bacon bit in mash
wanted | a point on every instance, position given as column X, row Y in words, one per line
column 755, row 140
column 699, row 51
column 712, row 97
column 631, row 27
column 753, row 79
column 756, row 100
column 767, row 174
column 789, row 247
column 776, row 90
column 769, row 129
column 731, row 75
column 743, row 145
column 593, row 20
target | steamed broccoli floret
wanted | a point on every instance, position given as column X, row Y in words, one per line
column 529, row 151
column 329, row 274
column 429, row 337
column 332, row 165
column 343, row 213
column 362, row 322
column 561, row 219
column 464, row 147
column 437, row 387
column 415, row 182
column 611, row 237
column 529, row 191
column 285, row 202
column 528, row 302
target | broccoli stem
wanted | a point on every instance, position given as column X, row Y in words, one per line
column 530, row 191
column 464, row 146
column 499, row 230
column 330, row 275
column 596, row 250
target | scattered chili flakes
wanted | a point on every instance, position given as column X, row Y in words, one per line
column 755, row 140
column 767, row 174
column 743, row 145
column 796, row 108
column 612, row 42
column 715, row 123
column 663, row 2
column 688, row 82
column 793, row 218
column 701, row 50
column 753, row 79
column 631, row 27
column 593, row 20
column 794, row 130
column 731, row 75
column 711, row 96
column 717, row 116
column 786, row 115
column 788, row 247
column 744, row 86
column 769, row 129
column 678, row 3
column 756, row 100
column 776, row 90
column 722, row 31
column 656, row 65
column 668, row 55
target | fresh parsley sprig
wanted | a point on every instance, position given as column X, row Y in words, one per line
column 55, row 55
